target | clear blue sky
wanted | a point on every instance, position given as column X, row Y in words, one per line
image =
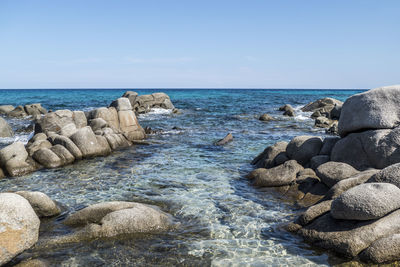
column 213, row 44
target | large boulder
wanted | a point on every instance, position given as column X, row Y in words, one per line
column 319, row 104
column 328, row 144
column 18, row 112
column 5, row 109
column 281, row 175
column 14, row 159
column 267, row 158
column 131, row 96
column 47, row 158
column 314, row 212
column 130, row 126
column 386, row 249
column 374, row 109
column 87, row 142
column 366, row 202
column 110, row 115
column 35, row 109
column 19, row 226
column 54, row 121
column 68, row 144
column 332, row 172
column 374, row 148
column 389, row 174
column 121, row 103
column 5, row 129
column 303, row 148
column 41, row 203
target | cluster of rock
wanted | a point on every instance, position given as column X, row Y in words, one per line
column 22, row 111
column 20, row 215
column 144, row 103
column 287, row 110
column 349, row 184
column 64, row 136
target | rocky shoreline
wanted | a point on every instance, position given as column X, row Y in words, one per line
column 348, row 184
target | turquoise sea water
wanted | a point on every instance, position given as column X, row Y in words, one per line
column 224, row 220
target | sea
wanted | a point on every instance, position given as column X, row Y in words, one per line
column 223, row 219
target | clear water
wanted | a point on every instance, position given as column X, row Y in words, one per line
column 224, row 220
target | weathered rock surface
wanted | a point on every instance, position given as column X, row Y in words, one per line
column 328, row 144
column 389, row 174
column 318, row 160
column 18, row 112
column 41, row 203
column 68, row 144
column 47, row 158
column 19, row 226
column 13, row 159
column 5, row 129
column 228, row 138
column 267, row 158
column 87, row 142
column 54, row 121
column 332, row 172
column 386, row 249
column 374, row 109
column 35, row 109
column 366, row 202
column 303, row 148
column 5, row 109
column 144, row 103
column 314, row 212
column 320, row 104
column 129, row 125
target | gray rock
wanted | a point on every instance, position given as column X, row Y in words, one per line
column 167, row 104
column 332, row 172
column 328, row 144
column 389, row 174
column 5, row 129
column 79, row 118
column 314, row 194
column 14, row 159
column 41, row 203
column 336, row 111
column 288, row 110
column 68, row 129
column 54, row 121
column 129, row 125
column 366, row 202
column 323, row 122
column 266, row 159
column 68, row 144
column 5, row 109
column 265, row 117
column 35, row 109
column 18, row 112
column 303, row 148
column 280, row 159
column 47, row 158
column 117, row 140
column 314, row 212
column 35, row 146
column 228, row 138
column 281, row 175
column 386, row 249
column 98, row 124
column 321, row 103
column 104, row 145
column 333, row 129
column 19, row 226
column 374, row 109
column 131, row 96
column 318, row 160
column 110, row 115
column 121, row 104
column 65, row 156
column 38, row 137
column 349, row 237
column 87, row 142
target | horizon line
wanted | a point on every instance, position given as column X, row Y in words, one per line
column 180, row 88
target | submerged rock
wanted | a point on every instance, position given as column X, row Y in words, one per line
column 265, row 117
column 228, row 138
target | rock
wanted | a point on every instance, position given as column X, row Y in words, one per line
column 332, row 172
column 348, row 183
column 2, row 174
column 41, row 203
column 228, row 138
column 65, row 156
column 103, row 144
column 5, row 109
column 306, row 172
column 98, row 124
column 14, row 159
column 47, row 158
column 314, row 194
column 121, row 104
column 318, row 160
column 386, row 249
column 167, row 104
column 32, row 263
column 336, row 111
column 374, row 109
column 333, row 129
column 54, row 121
column 116, row 141
column 323, row 122
column 129, row 125
column 267, row 159
column 265, row 117
column 321, row 103
column 35, row 109
column 281, row 158
column 68, row 144
column 110, row 115
column 303, row 148
column 288, row 110
column 366, row 202
column 328, row 144
column 131, row 96
column 38, row 137
column 389, row 174
column 281, row 175
column 5, row 129
column 349, row 237
column 314, row 212
column 18, row 112
column 35, row 146
column 68, row 129
column 376, row 148
column 87, row 142
column 79, row 118
column 19, row 226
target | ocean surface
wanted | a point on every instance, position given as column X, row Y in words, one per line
column 225, row 221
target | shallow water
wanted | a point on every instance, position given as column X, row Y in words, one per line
column 224, row 220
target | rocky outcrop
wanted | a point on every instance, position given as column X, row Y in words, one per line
column 5, row 109
column 15, row 161
column 144, row 103
column 23, row 111
column 303, row 148
column 41, row 203
column 19, row 226
column 5, row 129
column 287, row 110
column 332, row 172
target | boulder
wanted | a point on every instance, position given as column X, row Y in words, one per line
column 79, row 118
column 87, row 142
column 38, row 137
column 68, row 144
column 5, row 109
column 265, row 117
column 303, row 148
column 129, row 125
column 336, row 111
column 328, row 144
column 116, row 141
column 47, row 158
column 35, row 146
column 267, row 159
column 121, row 104
column 110, row 115
column 65, row 156
column 159, row 98
column 314, row 194
column 228, row 138
column 318, row 160
column 281, row 175
column 323, row 122
column 54, row 121
column 349, row 237
column 366, row 202
column 332, row 172
column 389, row 174
column 2, row 174
column 41, row 203
column 18, row 112
column 314, row 212
column 68, row 129
column 5, row 129
column 167, row 104
column 374, row 109
column 321, row 103
column 35, row 109
column 333, row 129
column 375, row 148
column 104, row 145
column 131, row 96
column 13, row 158
column 19, row 226
column 98, row 124
column 386, row 249
column 288, row 110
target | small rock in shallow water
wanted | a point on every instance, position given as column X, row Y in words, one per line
column 228, row 138
column 265, row 117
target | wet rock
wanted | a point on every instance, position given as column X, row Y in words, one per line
column 306, row 172
column 18, row 112
column 288, row 110
column 14, row 159
column 68, row 144
column 41, row 203
column 374, row 109
column 35, row 109
column 366, row 202
column 228, row 138
column 267, row 159
column 87, row 142
column 281, row 175
column 5, row 109
column 19, row 226
column 386, row 249
column 333, row 129
column 303, row 148
column 349, row 237
column 314, row 194
column 389, row 174
column 65, row 156
column 280, row 158
column 98, row 124
column 314, row 212
column 321, row 103
column 318, row 160
column 332, row 172
column 328, row 144
column 265, row 117
column 5, row 129
column 47, row 158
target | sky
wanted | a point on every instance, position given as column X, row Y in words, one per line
column 199, row 44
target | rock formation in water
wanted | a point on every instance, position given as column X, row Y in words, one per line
column 350, row 185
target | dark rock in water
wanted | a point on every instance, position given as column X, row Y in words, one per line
column 41, row 203
column 321, row 103
column 265, row 117
column 5, row 109
column 314, row 212
column 288, row 110
column 371, row 110
column 18, row 112
column 389, row 174
column 386, row 249
column 366, row 202
column 333, row 172
column 314, row 194
column 19, row 226
column 303, row 148
column 5, row 129
column 228, row 138
column 267, row 159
